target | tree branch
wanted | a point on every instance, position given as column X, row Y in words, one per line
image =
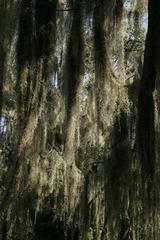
column 67, row 10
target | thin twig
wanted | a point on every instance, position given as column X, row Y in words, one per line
column 67, row 10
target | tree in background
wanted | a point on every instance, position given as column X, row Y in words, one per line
column 79, row 120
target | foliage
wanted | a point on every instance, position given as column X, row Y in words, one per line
column 79, row 120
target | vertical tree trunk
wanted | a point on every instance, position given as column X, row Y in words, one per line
column 146, row 120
